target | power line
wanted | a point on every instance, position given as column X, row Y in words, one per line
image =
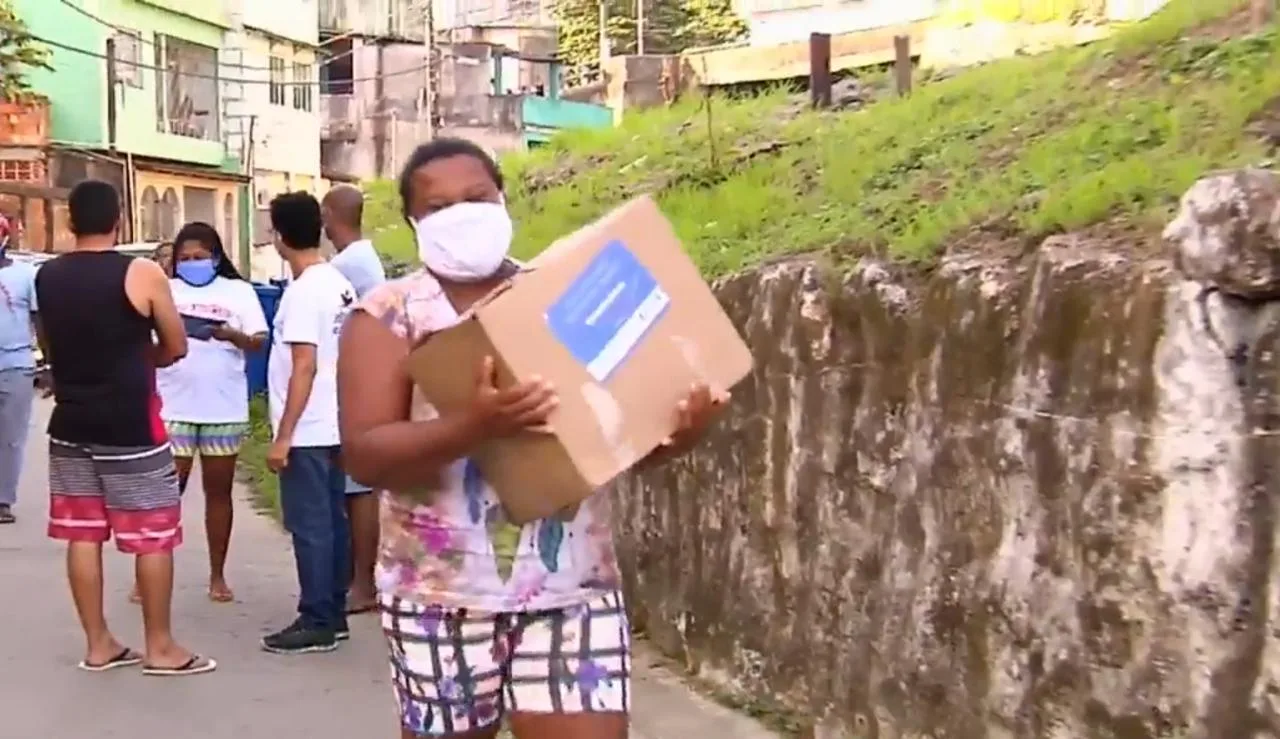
column 217, row 78
column 136, row 35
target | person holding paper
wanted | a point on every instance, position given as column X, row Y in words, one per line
column 484, row 618
column 205, row 396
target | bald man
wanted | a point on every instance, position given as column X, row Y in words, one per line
column 342, row 210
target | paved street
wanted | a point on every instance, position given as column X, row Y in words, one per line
column 253, row 695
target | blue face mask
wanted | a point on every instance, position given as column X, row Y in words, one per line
column 196, row 272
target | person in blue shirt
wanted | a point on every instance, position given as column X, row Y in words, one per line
column 17, row 367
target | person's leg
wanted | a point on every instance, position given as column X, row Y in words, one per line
column 219, row 446
column 78, row 516
column 362, row 512
column 17, row 392
column 145, row 510
column 183, row 442
column 593, row 701
column 341, row 555
column 304, row 503
column 447, row 669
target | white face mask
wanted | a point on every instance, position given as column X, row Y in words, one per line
column 466, row 242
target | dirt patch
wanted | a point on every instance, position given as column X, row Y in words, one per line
column 1238, row 23
column 998, row 236
column 1002, row 236
column 1149, row 69
column 561, row 173
column 1265, row 124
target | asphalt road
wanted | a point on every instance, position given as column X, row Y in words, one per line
column 253, row 695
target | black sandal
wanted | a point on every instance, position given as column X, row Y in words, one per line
column 197, row 665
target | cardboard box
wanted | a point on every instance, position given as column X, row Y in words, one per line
column 617, row 317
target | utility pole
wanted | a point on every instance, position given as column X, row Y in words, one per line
column 1261, row 12
column 112, row 75
column 640, row 27
column 432, row 68
column 604, row 35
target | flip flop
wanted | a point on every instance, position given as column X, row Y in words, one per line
column 6, row 516
column 197, row 665
column 126, row 658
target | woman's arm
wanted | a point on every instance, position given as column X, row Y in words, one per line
column 381, row 447
column 241, row 340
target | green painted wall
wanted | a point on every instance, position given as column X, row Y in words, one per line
column 542, row 117
column 76, row 88
column 209, row 11
column 136, row 106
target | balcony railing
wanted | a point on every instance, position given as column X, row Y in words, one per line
column 339, row 117
column 402, row 18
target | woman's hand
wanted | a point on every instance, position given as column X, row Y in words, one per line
column 223, row 332
column 694, row 415
column 506, row 412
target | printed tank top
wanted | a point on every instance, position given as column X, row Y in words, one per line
column 459, row 550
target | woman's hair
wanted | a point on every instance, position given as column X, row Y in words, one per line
column 442, row 148
column 207, row 236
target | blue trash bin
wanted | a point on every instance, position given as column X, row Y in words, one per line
column 255, row 364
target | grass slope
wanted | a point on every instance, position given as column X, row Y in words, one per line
column 253, row 460
column 1006, row 153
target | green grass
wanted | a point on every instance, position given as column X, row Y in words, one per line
column 253, row 460
column 1007, row 152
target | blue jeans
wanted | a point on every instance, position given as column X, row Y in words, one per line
column 312, row 499
column 17, row 391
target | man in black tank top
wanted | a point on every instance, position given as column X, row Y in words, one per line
column 110, row 466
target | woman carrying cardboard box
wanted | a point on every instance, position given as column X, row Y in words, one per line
column 484, row 619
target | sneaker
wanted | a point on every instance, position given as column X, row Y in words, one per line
column 297, row 638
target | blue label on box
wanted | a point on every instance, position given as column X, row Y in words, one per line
column 607, row 309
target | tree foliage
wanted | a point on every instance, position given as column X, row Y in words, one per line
column 670, row 26
column 19, row 53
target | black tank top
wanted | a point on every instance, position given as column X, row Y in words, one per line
column 100, row 352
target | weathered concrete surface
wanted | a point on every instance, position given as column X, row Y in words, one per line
column 1001, row 499
column 253, row 695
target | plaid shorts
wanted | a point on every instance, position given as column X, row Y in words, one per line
column 133, row 491
column 456, row 671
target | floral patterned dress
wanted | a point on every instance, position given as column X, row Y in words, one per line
column 459, row 551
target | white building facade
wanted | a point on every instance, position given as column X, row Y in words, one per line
column 276, row 120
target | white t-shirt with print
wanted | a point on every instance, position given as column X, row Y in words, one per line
column 311, row 311
column 209, row 384
column 360, row 264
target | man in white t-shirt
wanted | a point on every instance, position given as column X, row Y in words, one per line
column 342, row 210
column 302, row 387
